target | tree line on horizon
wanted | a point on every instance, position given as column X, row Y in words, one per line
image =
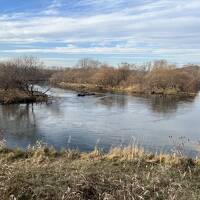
column 22, row 73
column 157, row 75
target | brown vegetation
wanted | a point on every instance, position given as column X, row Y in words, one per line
column 158, row 77
column 21, row 73
column 17, row 80
column 13, row 96
column 123, row 173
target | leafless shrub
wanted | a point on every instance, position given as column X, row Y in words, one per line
column 22, row 73
column 158, row 75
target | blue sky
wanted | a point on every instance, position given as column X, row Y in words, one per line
column 61, row 32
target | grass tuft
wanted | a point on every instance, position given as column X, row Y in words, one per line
column 122, row 173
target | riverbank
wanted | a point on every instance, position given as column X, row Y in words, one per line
column 134, row 90
column 17, row 96
column 123, row 173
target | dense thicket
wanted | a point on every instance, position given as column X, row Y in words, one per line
column 155, row 76
column 22, row 73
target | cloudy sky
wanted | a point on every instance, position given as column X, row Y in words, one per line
column 63, row 31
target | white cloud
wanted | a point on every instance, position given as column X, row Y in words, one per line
column 161, row 27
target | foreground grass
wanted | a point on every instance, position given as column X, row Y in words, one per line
column 123, row 173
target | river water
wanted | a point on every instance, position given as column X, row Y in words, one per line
column 165, row 124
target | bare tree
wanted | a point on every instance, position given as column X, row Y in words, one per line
column 21, row 73
column 88, row 63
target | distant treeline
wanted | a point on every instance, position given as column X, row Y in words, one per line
column 158, row 77
column 154, row 77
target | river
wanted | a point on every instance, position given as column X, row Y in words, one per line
column 166, row 124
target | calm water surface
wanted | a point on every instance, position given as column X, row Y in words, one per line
column 106, row 120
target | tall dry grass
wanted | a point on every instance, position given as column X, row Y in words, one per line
column 122, row 173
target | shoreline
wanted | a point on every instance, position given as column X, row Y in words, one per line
column 122, row 173
column 17, row 97
column 119, row 90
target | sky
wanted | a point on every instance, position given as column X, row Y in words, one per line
column 60, row 32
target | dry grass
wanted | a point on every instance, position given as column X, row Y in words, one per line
column 18, row 96
column 159, row 77
column 122, row 173
column 134, row 89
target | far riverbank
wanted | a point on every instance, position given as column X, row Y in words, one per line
column 134, row 90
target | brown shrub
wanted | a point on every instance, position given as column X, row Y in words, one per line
column 157, row 75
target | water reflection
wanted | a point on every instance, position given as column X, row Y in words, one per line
column 76, row 122
column 114, row 100
column 157, row 103
column 18, row 117
column 167, row 104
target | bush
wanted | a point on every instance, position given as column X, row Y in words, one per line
column 158, row 75
column 21, row 73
